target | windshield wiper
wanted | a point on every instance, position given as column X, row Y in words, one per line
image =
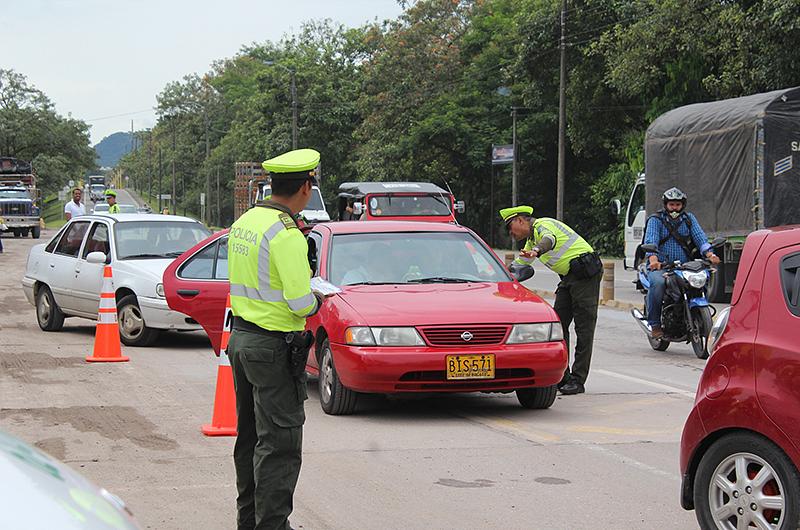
column 174, row 254
column 440, row 279
column 133, row 256
column 369, row 283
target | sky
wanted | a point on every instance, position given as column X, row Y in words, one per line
column 104, row 61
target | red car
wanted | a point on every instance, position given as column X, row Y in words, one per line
column 424, row 307
column 740, row 449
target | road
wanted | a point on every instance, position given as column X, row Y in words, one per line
column 606, row 459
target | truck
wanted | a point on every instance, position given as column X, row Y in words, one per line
column 734, row 158
column 20, row 200
column 397, row 201
column 252, row 185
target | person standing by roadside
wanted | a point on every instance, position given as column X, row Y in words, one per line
column 567, row 254
column 271, row 298
column 111, row 199
column 75, row 207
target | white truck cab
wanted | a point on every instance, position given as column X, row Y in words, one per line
column 314, row 212
column 635, row 219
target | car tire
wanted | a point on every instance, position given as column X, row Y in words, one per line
column 133, row 330
column 36, row 232
column 48, row 314
column 335, row 398
column 757, row 454
column 537, row 398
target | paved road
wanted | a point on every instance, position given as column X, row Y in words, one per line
column 606, row 459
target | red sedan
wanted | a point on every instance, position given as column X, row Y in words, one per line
column 424, row 307
column 740, row 449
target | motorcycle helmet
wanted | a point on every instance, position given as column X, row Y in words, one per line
column 674, row 194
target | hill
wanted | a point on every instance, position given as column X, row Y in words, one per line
column 112, row 148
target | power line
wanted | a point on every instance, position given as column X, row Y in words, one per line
column 120, row 115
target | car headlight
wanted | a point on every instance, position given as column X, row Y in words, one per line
column 542, row 332
column 160, row 290
column 696, row 279
column 364, row 336
column 716, row 330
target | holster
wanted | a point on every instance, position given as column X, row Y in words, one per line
column 299, row 348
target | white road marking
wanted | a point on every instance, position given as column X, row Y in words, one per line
column 653, row 384
column 632, row 462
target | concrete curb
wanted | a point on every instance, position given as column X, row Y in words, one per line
column 613, row 304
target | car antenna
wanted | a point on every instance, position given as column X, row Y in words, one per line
column 448, row 202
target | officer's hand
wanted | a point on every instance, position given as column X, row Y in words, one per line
column 530, row 254
column 321, row 297
column 654, row 263
column 713, row 258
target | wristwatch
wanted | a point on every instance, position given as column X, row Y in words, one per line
column 537, row 250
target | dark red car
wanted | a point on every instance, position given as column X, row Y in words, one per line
column 424, row 307
column 740, row 449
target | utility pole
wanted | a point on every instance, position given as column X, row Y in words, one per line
column 174, row 187
column 149, row 165
column 294, row 110
column 219, row 212
column 562, row 116
column 514, row 183
column 160, row 167
column 207, row 219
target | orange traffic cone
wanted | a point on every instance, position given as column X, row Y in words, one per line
column 223, row 420
column 106, row 338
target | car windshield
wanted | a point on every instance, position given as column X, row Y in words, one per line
column 14, row 194
column 97, row 187
column 102, row 207
column 407, row 258
column 157, row 239
column 315, row 203
column 409, row 205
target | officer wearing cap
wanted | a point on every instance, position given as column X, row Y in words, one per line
column 567, row 254
column 271, row 298
column 111, row 199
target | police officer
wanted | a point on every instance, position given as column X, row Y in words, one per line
column 567, row 254
column 111, row 199
column 271, row 298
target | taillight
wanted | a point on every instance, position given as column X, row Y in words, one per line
column 718, row 328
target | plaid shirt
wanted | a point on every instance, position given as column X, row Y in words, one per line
column 671, row 250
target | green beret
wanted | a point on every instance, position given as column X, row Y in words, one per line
column 296, row 164
column 509, row 213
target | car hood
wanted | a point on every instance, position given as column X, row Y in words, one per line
column 444, row 304
column 149, row 268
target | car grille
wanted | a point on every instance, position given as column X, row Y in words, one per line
column 19, row 208
column 457, row 336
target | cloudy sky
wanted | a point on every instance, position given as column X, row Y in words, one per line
column 104, row 61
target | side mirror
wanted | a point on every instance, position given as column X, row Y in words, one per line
column 521, row 272
column 358, row 208
column 460, row 207
column 650, row 248
column 718, row 242
column 96, row 257
column 616, row 206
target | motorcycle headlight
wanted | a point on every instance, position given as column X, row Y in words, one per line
column 696, row 279
column 716, row 330
column 542, row 332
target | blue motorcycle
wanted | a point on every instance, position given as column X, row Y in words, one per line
column 686, row 315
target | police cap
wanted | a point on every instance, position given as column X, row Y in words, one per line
column 110, row 193
column 297, row 164
column 510, row 213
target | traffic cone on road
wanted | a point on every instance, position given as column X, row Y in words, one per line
column 223, row 420
column 106, row 338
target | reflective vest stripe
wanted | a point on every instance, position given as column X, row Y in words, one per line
column 555, row 255
column 296, row 304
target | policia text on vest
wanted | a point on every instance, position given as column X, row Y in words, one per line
column 567, row 254
column 271, row 298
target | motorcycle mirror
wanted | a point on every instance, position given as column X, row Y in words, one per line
column 718, row 242
column 650, row 248
column 616, row 206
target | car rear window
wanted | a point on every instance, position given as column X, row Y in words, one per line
column 790, row 282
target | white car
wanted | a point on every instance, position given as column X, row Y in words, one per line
column 65, row 276
column 97, row 192
column 102, row 207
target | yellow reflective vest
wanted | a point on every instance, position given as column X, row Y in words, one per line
column 568, row 244
column 114, row 208
column 269, row 271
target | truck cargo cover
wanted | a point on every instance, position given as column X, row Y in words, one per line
column 712, row 152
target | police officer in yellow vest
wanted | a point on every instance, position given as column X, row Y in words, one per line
column 567, row 254
column 111, row 199
column 271, row 298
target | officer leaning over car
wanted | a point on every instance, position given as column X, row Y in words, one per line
column 271, row 298
column 566, row 253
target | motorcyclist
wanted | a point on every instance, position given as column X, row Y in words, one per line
column 677, row 234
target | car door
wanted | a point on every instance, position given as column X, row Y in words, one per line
column 89, row 276
column 777, row 349
column 62, row 265
column 198, row 286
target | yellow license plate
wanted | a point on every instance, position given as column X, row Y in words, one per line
column 470, row 366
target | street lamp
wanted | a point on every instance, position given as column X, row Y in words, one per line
column 294, row 98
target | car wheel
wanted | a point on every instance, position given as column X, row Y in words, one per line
column 36, row 232
column 701, row 318
column 48, row 314
column 537, row 398
column 335, row 398
column 133, row 330
column 746, row 481
column 658, row 344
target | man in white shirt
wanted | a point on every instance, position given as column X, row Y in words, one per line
column 75, row 207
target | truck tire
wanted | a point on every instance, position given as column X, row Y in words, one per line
column 36, row 232
column 17, row 232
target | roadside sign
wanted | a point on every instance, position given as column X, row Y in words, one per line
column 502, row 154
column 71, row 183
column 62, row 195
column 202, row 199
column 165, row 196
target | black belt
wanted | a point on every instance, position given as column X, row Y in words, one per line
column 245, row 325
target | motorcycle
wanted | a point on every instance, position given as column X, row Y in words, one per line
column 686, row 315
